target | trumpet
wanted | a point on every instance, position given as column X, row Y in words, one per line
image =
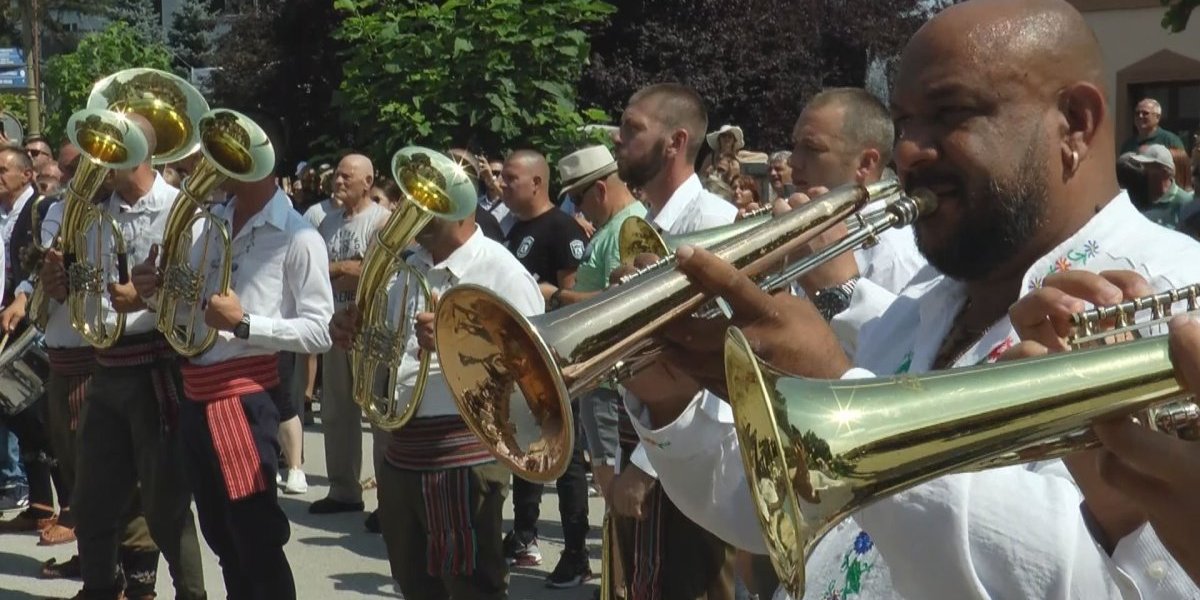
column 106, row 140
column 233, row 147
column 167, row 102
column 816, row 451
column 638, row 236
column 434, row 185
column 513, row 376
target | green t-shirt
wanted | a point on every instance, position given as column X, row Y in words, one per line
column 1160, row 136
column 603, row 253
column 1165, row 211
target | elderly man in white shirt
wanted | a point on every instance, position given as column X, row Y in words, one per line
column 280, row 300
column 441, row 493
column 1021, row 162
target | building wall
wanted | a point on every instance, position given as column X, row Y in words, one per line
column 1138, row 50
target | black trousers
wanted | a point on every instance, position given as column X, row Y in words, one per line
column 247, row 535
column 572, row 498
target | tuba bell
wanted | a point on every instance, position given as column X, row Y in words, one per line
column 513, row 376
column 233, row 147
column 815, row 451
column 433, row 186
column 170, row 105
column 106, row 140
column 638, row 236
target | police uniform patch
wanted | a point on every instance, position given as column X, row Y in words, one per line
column 525, row 247
column 577, row 249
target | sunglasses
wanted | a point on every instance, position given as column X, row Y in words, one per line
column 1142, row 113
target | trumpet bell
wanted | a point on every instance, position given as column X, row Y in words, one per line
column 816, row 451
column 109, row 139
column 236, row 145
column 171, row 104
column 637, row 236
column 434, row 186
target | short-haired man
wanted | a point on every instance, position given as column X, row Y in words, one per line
column 1146, row 118
column 39, row 151
column 780, row 173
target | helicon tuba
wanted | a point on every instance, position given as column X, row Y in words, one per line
column 433, row 186
column 233, row 147
column 106, row 140
column 815, row 451
column 171, row 106
column 513, row 376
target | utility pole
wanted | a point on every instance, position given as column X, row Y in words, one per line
column 33, row 63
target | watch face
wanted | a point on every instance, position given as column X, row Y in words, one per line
column 832, row 301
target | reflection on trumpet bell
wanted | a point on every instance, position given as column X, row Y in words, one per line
column 513, row 377
column 172, row 105
column 815, row 451
column 638, row 236
column 433, row 186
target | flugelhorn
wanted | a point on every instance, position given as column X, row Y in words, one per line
column 106, row 140
column 170, row 105
column 815, row 451
column 233, row 147
column 433, row 186
column 513, row 376
column 638, row 236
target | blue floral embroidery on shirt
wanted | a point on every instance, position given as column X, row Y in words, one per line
column 854, row 569
column 905, row 365
column 1072, row 259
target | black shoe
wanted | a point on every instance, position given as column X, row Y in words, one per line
column 14, row 498
column 572, row 571
column 521, row 552
column 329, row 506
column 372, row 522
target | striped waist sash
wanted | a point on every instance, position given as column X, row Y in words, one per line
column 435, row 443
column 75, row 365
column 148, row 349
column 220, row 388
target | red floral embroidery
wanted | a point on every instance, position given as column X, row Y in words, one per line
column 999, row 351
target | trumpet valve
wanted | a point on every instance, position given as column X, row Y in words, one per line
column 183, row 282
column 380, row 344
column 84, row 278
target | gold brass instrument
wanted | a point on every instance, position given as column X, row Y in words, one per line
column 233, row 147
column 106, row 140
column 513, row 376
column 171, row 106
column 815, row 451
column 638, row 236
column 433, row 186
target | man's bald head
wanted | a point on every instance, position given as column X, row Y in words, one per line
column 526, row 183
column 352, row 181
column 143, row 125
column 1000, row 108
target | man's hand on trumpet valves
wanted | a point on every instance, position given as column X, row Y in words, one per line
column 224, row 311
column 344, row 326
column 53, row 275
column 144, row 276
column 424, row 327
column 125, row 297
column 1042, row 320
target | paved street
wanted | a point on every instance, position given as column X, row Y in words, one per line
column 331, row 556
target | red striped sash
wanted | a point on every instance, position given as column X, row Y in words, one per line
column 140, row 350
column 221, row 387
column 75, row 365
column 450, row 544
column 434, row 443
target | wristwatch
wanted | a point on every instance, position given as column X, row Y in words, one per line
column 555, row 301
column 833, row 300
column 242, row 329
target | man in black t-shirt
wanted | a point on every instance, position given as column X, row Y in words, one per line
column 550, row 244
column 546, row 240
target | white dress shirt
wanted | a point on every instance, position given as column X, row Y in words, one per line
column 59, row 331
column 479, row 261
column 1013, row 532
column 281, row 277
column 141, row 225
column 691, row 208
column 317, row 212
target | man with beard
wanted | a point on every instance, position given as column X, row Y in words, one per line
column 661, row 133
column 1001, row 111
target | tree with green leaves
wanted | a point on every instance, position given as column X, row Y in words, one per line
column 1178, row 13
column 142, row 16
column 191, row 36
column 492, row 74
column 69, row 77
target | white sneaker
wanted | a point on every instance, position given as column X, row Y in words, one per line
column 296, row 482
column 278, row 478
